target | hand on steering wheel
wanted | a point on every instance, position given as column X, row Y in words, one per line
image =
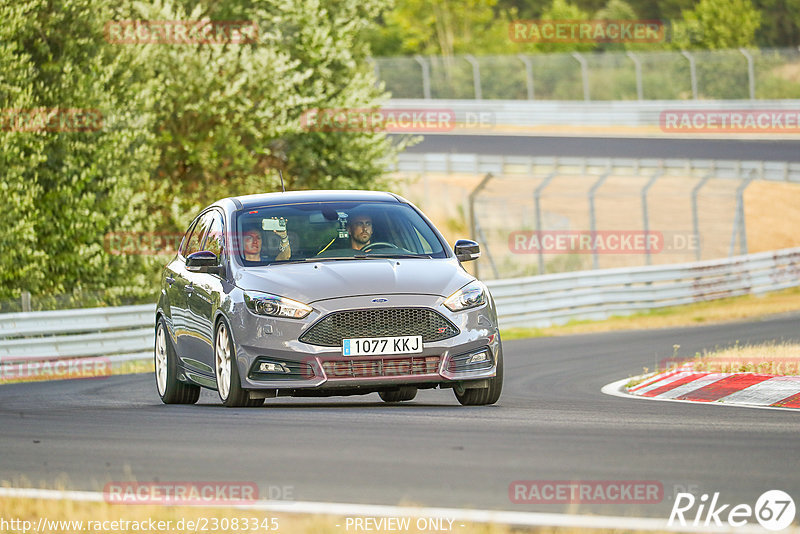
column 378, row 244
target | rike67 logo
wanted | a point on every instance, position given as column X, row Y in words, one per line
column 774, row 510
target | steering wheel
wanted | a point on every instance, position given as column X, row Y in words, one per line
column 378, row 244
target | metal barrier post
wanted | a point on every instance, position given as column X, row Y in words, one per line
column 528, row 74
column 592, row 217
column 476, row 76
column 638, row 66
column 658, row 174
column 695, row 213
column 584, row 74
column 751, row 72
column 692, row 72
column 537, row 197
column 473, row 221
column 739, row 222
column 426, row 77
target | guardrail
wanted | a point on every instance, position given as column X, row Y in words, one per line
column 120, row 333
column 490, row 115
column 126, row 333
column 540, row 301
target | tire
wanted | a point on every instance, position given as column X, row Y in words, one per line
column 226, row 371
column 169, row 388
column 404, row 393
column 484, row 396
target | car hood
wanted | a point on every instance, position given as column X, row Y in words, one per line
column 314, row 281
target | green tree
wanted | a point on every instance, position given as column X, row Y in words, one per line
column 64, row 191
column 719, row 24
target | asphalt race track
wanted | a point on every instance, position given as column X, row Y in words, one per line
column 552, row 423
column 616, row 147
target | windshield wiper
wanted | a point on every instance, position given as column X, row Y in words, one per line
column 398, row 255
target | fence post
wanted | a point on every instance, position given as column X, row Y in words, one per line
column 376, row 69
column 537, row 197
column 751, row 72
column 26, row 301
column 692, row 72
column 528, row 74
column 656, row 175
column 426, row 77
column 592, row 217
column 584, row 74
column 638, row 66
column 476, row 76
column 473, row 221
column 695, row 211
column 738, row 221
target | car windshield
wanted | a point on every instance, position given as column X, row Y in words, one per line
column 317, row 231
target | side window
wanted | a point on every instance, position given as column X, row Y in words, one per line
column 215, row 241
column 192, row 244
column 187, row 238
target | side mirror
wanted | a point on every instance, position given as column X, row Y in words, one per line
column 204, row 261
column 467, row 250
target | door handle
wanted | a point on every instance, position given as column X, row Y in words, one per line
column 170, row 280
column 188, row 287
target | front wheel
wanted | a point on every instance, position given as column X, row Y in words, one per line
column 484, row 396
column 170, row 389
column 229, row 386
column 404, row 393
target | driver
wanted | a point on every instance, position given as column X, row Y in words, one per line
column 360, row 230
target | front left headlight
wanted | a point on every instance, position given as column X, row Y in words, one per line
column 275, row 306
column 471, row 295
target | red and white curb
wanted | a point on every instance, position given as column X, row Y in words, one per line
column 734, row 389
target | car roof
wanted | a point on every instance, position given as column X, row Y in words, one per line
column 293, row 197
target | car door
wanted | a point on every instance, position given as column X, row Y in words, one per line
column 206, row 291
column 173, row 285
column 190, row 332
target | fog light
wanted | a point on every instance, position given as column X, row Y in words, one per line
column 269, row 367
column 479, row 357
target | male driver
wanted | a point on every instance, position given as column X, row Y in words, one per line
column 360, row 230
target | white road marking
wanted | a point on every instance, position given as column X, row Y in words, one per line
column 457, row 514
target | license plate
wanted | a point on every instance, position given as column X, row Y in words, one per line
column 372, row 346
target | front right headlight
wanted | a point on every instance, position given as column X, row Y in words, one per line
column 471, row 295
column 275, row 306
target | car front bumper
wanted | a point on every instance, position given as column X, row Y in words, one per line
column 303, row 366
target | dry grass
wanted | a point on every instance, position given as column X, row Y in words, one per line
column 716, row 311
column 773, row 358
column 32, row 510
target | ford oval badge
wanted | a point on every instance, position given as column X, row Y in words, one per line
column 380, row 300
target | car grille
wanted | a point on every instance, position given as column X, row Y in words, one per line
column 383, row 322
column 415, row 365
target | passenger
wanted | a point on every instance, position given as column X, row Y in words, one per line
column 252, row 240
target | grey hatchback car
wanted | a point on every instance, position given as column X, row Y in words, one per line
column 321, row 293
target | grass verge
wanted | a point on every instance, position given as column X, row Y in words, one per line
column 77, row 517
